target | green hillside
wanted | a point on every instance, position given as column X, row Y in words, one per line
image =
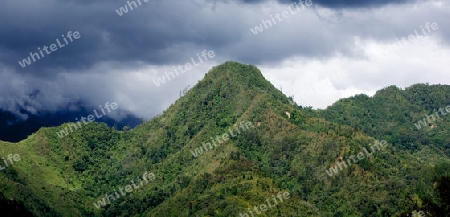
column 289, row 149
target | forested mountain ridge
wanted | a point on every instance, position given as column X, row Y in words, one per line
column 395, row 113
column 289, row 149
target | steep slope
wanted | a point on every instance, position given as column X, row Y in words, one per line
column 289, row 149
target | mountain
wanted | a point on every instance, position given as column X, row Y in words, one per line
column 400, row 116
column 15, row 129
column 285, row 159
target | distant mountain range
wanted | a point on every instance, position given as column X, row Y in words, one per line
column 15, row 129
column 101, row 171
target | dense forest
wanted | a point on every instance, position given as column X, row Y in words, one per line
column 289, row 149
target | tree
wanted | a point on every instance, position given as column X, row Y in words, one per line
column 442, row 207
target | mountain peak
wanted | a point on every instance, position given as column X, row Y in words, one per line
column 237, row 75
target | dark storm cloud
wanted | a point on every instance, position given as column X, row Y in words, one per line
column 167, row 32
column 152, row 33
column 157, row 32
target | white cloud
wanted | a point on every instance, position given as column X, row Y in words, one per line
column 313, row 82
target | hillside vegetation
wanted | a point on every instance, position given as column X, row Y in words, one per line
column 288, row 149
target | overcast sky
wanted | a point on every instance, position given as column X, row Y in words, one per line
column 320, row 53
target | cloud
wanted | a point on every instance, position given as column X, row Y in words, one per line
column 319, row 83
column 117, row 57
